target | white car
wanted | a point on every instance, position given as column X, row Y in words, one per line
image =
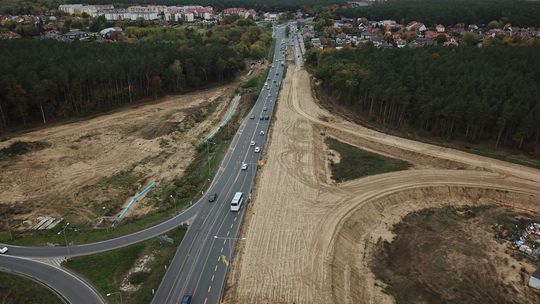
column 244, row 166
column 261, row 133
column 3, row 250
column 252, row 143
column 257, row 149
column 264, row 109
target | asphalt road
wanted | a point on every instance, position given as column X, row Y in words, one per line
column 200, row 264
column 69, row 286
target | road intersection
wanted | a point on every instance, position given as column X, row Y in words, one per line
column 201, row 262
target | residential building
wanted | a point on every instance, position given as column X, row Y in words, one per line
column 440, row 28
column 243, row 12
column 8, row 35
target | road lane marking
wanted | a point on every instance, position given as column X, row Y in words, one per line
column 231, row 160
column 205, row 300
column 213, row 278
column 228, row 232
column 235, row 218
column 222, row 249
column 232, row 225
column 209, row 288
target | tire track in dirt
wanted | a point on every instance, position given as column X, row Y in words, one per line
column 308, row 241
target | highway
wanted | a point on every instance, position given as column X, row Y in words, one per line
column 200, row 263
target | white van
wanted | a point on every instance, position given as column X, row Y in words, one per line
column 237, row 200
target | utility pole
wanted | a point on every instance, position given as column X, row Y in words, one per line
column 208, row 153
column 8, row 227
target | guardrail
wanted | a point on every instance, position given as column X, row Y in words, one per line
column 133, row 200
column 226, row 119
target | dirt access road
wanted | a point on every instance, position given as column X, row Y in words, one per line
column 309, row 240
column 95, row 166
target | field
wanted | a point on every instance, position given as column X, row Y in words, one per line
column 352, row 163
column 310, row 240
column 89, row 169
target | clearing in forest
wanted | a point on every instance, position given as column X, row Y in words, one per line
column 91, row 168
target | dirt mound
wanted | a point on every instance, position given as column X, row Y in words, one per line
column 18, row 148
column 449, row 255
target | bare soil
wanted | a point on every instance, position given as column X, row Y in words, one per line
column 449, row 255
column 92, row 168
column 309, row 240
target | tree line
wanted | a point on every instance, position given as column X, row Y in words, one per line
column 49, row 80
column 431, row 12
column 475, row 94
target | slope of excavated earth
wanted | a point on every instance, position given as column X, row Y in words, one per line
column 87, row 168
column 309, row 240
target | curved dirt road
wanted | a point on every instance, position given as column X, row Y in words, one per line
column 295, row 251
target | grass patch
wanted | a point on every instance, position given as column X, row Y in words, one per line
column 15, row 289
column 513, row 156
column 107, row 271
column 357, row 163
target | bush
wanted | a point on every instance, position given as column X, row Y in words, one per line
column 139, row 277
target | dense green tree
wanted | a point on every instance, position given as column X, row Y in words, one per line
column 48, row 80
column 470, row 93
column 431, row 12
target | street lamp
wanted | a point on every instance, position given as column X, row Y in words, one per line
column 230, row 239
column 208, row 142
column 116, row 292
column 65, row 237
column 174, row 200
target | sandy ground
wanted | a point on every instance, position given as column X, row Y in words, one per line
column 143, row 139
column 309, row 240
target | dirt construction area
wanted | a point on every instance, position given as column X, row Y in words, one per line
column 311, row 240
column 86, row 169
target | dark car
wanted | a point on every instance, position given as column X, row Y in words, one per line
column 186, row 299
column 212, row 198
column 266, row 117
